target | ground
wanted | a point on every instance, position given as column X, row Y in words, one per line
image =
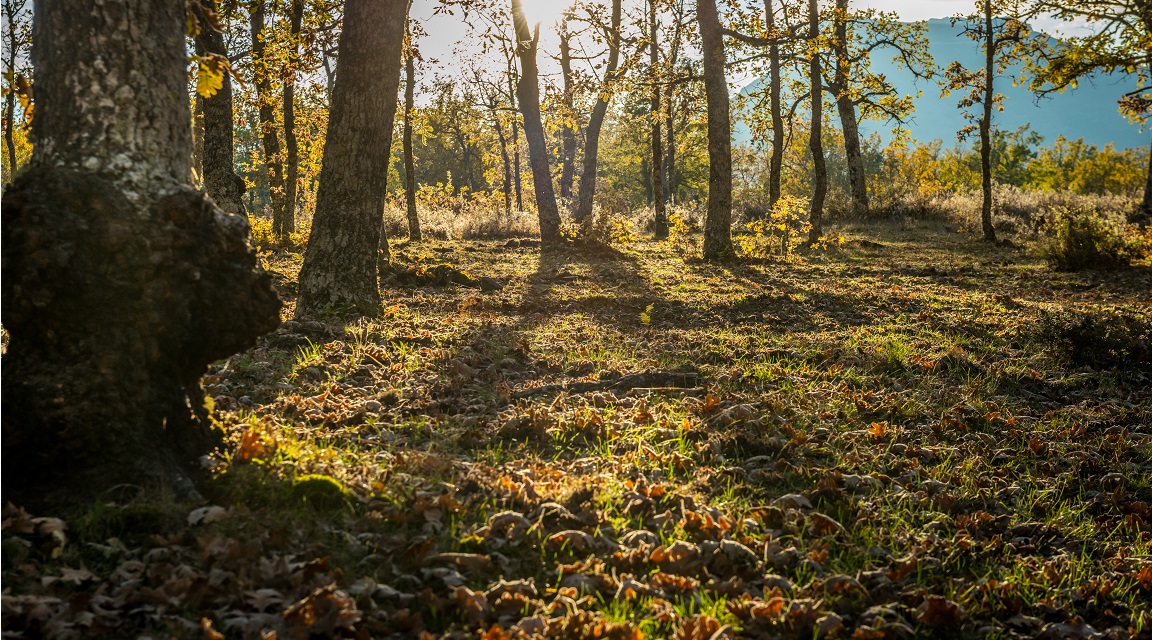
column 912, row 433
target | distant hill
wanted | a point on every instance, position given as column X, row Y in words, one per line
column 1088, row 111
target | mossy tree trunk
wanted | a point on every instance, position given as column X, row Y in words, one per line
column 567, row 131
column 341, row 261
column 121, row 282
column 846, row 108
column 986, row 124
column 267, row 116
column 718, row 223
column 775, row 80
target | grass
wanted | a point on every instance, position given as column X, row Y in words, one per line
column 905, row 387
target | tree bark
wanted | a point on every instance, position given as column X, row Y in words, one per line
column 587, row 193
column 341, row 262
column 986, row 125
column 121, row 282
column 291, row 147
column 268, row 135
column 661, row 217
column 669, row 181
column 512, row 79
column 1146, row 204
column 718, row 224
column 776, row 164
column 409, row 157
column 507, row 166
column 846, row 108
column 217, row 151
column 528, row 93
column 567, row 133
column 10, row 99
column 815, row 140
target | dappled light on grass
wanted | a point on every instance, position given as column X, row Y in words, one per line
column 869, row 440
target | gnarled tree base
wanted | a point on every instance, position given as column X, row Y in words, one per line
column 115, row 309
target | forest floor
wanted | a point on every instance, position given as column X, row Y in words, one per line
column 914, row 434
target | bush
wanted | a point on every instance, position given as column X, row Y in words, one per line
column 1099, row 337
column 1085, row 239
column 783, row 231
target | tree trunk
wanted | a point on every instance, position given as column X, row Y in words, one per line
column 815, row 141
column 847, row 110
column 267, row 116
column 661, row 220
column 718, row 224
column 121, row 282
column 515, row 137
column 10, row 99
column 507, row 166
column 776, row 164
column 986, row 125
column 409, row 158
column 669, row 181
column 1146, row 204
column 292, row 148
column 587, row 193
column 217, row 152
column 340, row 264
column 528, row 93
column 567, row 133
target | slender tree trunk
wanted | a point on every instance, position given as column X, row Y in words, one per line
column 718, row 224
column 512, row 78
column 507, row 166
column 846, row 108
column 986, row 125
column 669, row 181
column 1146, row 204
column 341, row 262
column 409, row 158
column 587, row 193
column 10, row 99
column 815, row 141
column 291, row 147
column 122, row 282
column 567, row 132
column 217, row 153
column 528, row 93
column 267, row 116
column 661, row 218
column 776, row 164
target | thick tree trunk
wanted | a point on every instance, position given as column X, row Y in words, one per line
column 340, row 264
column 847, row 110
column 121, row 282
column 217, row 160
column 776, row 164
column 267, row 115
column 815, row 140
column 528, row 94
column 409, row 157
column 291, row 147
column 587, row 193
column 718, row 224
column 567, row 132
column 986, row 125
column 661, row 216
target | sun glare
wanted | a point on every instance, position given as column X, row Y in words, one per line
column 547, row 12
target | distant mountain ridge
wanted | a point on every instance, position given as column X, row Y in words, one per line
column 1089, row 111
